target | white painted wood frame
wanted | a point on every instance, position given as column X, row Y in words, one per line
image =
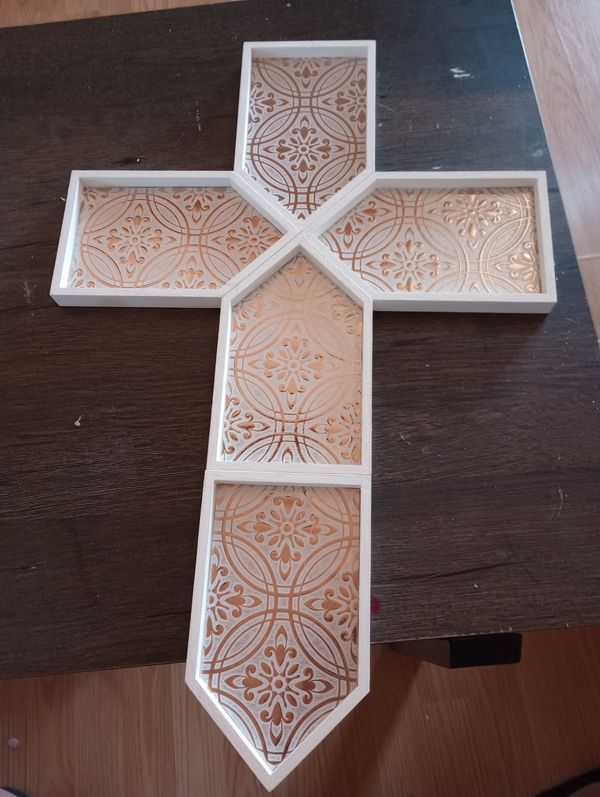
column 269, row 777
column 542, row 302
column 152, row 296
column 304, row 49
column 297, row 246
column 299, row 236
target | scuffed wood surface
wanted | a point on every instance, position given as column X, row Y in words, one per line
column 486, row 428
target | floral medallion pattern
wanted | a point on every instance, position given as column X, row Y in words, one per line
column 294, row 373
column 281, row 624
column 174, row 238
column 307, row 125
column 444, row 240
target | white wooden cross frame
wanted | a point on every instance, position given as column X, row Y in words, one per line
column 297, row 245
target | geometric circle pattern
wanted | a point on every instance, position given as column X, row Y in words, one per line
column 307, row 127
column 294, row 375
column 175, row 238
column 450, row 240
column 281, row 621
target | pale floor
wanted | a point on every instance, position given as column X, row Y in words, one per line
column 423, row 730
column 562, row 43
column 489, row 732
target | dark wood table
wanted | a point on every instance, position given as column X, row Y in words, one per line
column 486, row 487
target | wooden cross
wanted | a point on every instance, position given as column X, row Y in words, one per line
column 297, row 246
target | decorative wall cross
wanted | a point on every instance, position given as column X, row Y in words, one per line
column 297, row 246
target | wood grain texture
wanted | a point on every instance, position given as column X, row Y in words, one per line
column 562, row 41
column 590, row 272
column 486, row 429
column 33, row 12
column 499, row 732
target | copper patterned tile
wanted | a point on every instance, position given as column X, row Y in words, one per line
column 451, row 240
column 294, row 373
column 307, row 124
column 281, row 623
column 166, row 237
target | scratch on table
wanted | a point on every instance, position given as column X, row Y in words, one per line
column 78, row 421
column 459, row 74
column 27, row 292
column 561, row 500
column 439, row 574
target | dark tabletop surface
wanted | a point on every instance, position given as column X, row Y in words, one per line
column 486, row 429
